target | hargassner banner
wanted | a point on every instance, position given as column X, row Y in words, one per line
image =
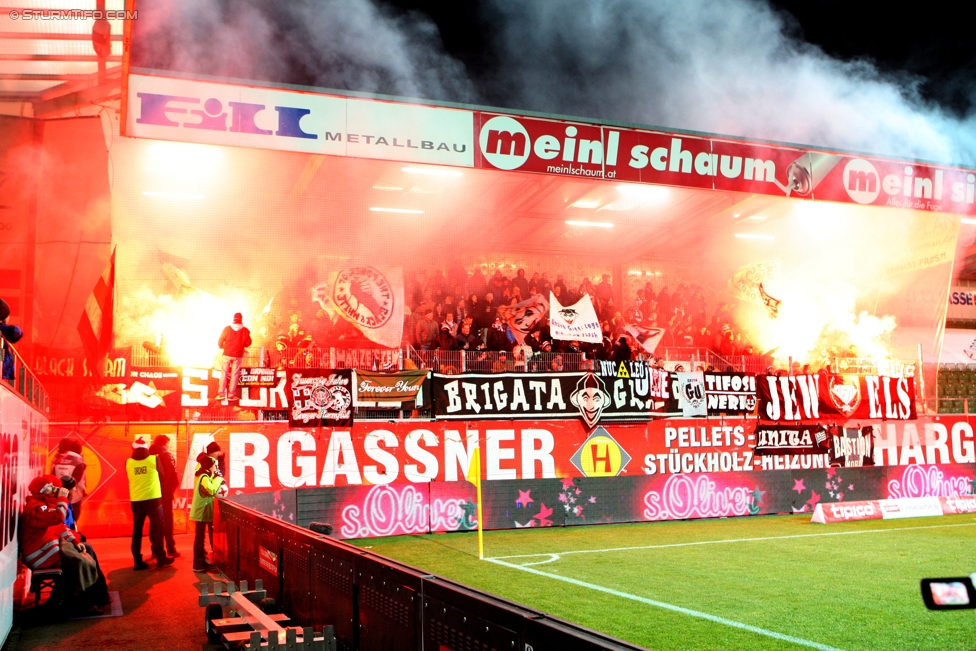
column 168, row 108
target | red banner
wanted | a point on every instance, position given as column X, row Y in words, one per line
column 794, row 398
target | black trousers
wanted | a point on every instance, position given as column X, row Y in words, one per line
column 168, row 540
column 153, row 510
column 199, row 537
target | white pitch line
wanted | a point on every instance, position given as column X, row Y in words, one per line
column 730, row 540
column 672, row 607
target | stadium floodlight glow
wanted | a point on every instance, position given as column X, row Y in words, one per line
column 753, row 236
column 643, row 192
column 758, row 218
column 583, row 203
column 575, row 222
column 432, row 171
column 395, row 188
column 968, row 220
column 173, row 195
column 402, row 211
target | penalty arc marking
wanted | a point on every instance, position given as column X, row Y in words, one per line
column 671, row 607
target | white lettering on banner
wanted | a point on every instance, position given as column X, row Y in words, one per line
column 412, row 444
column 241, row 459
column 783, row 403
column 900, row 444
column 287, row 460
column 167, row 108
column 458, row 454
column 391, row 467
column 495, row 454
column 340, row 460
column 389, row 510
column 537, row 447
column 860, row 511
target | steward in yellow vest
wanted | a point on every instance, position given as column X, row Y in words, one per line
column 145, row 499
column 206, row 484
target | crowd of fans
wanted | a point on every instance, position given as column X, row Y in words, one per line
column 458, row 310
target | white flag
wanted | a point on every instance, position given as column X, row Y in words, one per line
column 691, row 394
column 648, row 338
column 577, row 322
column 371, row 298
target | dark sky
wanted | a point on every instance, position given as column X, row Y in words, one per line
column 931, row 42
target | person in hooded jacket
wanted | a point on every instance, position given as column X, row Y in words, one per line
column 206, row 484
column 169, row 481
column 234, row 339
column 46, row 542
column 9, row 334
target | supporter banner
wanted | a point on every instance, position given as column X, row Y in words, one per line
column 791, row 440
column 576, row 322
column 851, row 446
column 640, row 381
column 168, row 108
column 401, row 386
column 147, row 392
column 258, row 377
column 690, row 391
column 320, row 397
column 525, row 317
column 730, row 393
column 811, row 397
column 370, row 298
column 648, row 338
column 536, row 395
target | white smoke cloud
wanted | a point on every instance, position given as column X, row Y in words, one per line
column 728, row 66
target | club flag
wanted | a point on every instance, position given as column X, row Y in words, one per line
column 648, row 338
column 772, row 304
column 370, row 298
column 576, row 322
column 95, row 326
column 746, row 281
column 522, row 318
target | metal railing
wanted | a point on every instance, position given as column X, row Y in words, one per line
column 25, row 383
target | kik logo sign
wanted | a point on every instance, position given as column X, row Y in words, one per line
column 600, row 456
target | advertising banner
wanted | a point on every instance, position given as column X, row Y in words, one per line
column 576, row 322
column 402, row 386
column 914, row 458
column 191, row 110
column 962, row 304
column 792, row 398
column 320, row 397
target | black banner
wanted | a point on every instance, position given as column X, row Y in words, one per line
column 730, row 393
column 143, row 393
column 320, row 397
column 775, row 439
column 541, row 395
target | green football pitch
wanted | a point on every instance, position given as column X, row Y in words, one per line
column 773, row 582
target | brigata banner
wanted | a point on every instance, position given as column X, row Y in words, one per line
column 792, row 398
column 320, row 397
column 402, row 386
column 587, row 396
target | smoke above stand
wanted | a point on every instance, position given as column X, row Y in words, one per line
column 728, row 67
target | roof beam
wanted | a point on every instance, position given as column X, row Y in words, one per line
column 46, row 36
column 80, row 58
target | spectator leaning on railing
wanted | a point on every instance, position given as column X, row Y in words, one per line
column 9, row 334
